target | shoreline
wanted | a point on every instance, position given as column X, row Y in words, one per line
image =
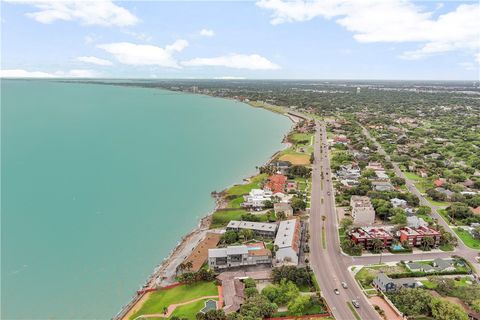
column 202, row 227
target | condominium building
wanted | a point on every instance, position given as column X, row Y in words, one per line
column 260, row 229
column 414, row 236
column 288, row 242
column 256, row 198
column 365, row 236
column 239, row 256
column 363, row 213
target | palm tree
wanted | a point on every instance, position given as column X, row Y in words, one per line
column 188, row 265
column 427, row 243
column 377, row 245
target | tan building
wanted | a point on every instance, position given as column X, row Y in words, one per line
column 363, row 213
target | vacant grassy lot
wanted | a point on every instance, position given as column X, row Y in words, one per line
column 222, row 217
column 241, row 189
column 163, row 298
column 467, row 238
column 296, row 158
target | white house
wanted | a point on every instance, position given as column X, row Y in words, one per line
column 398, row 203
column 256, row 198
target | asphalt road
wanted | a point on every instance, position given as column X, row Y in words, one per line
column 330, row 265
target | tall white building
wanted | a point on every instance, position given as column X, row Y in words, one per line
column 363, row 213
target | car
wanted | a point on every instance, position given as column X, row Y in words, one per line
column 328, row 193
column 355, row 303
column 344, row 285
column 337, row 292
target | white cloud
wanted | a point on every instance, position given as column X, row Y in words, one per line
column 19, row 73
column 207, row 33
column 98, row 12
column 76, row 73
column 390, row 21
column 139, row 35
column 95, row 60
column 236, row 61
column 229, row 78
column 144, row 55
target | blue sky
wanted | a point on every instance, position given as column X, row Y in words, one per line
column 338, row 39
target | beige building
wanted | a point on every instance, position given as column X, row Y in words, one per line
column 363, row 213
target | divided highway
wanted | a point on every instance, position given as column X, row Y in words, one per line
column 330, row 265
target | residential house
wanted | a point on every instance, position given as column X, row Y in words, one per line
column 362, row 210
column 375, row 166
column 415, row 222
column 386, row 284
column 283, row 207
column 365, row 236
column 256, row 198
column 281, row 166
column 238, row 256
column 414, row 236
column 381, row 175
column 260, row 229
column 276, row 183
column 382, row 186
column 396, row 202
column 288, row 242
column 446, row 192
column 444, row 265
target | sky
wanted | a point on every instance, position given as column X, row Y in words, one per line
column 264, row 39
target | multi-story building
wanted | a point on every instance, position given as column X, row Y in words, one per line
column 288, row 242
column 365, row 236
column 256, row 198
column 362, row 210
column 239, row 256
column 276, row 183
column 414, row 236
column 260, row 229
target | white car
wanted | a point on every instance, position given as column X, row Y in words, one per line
column 344, row 285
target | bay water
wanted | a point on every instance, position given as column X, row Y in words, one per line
column 100, row 182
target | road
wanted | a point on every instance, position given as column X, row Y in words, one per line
column 330, row 265
column 461, row 250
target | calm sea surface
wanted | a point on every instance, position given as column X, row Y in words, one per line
column 100, row 182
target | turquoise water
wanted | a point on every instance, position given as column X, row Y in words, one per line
column 100, row 182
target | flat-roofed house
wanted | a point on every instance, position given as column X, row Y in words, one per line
column 283, row 207
column 238, row 256
column 256, row 198
column 260, row 229
column 288, row 242
column 363, row 213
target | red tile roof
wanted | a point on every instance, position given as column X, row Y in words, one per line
column 438, row 183
column 276, row 183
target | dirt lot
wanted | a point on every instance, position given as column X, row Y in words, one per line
column 300, row 159
column 390, row 313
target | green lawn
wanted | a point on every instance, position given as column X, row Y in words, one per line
column 438, row 203
column 241, row 189
column 447, row 247
column 163, row 298
column 412, row 176
column 235, row 203
column 296, row 137
column 315, row 309
column 365, row 277
column 222, row 218
column 190, row 310
column 467, row 238
column 428, row 284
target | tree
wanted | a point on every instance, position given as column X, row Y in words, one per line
column 411, row 302
column 424, row 210
column 230, row 236
column 250, row 292
column 258, row 307
column 399, row 217
column 397, row 181
column 281, row 216
column 298, row 305
column 188, row 265
column 378, row 245
column 427, row 243
column 267, row 204
column 351, row 248
column 246, row 234
column 443, row 309
column 346, row 223
column 475, row 305
column 298, row 204
column 249, row 283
